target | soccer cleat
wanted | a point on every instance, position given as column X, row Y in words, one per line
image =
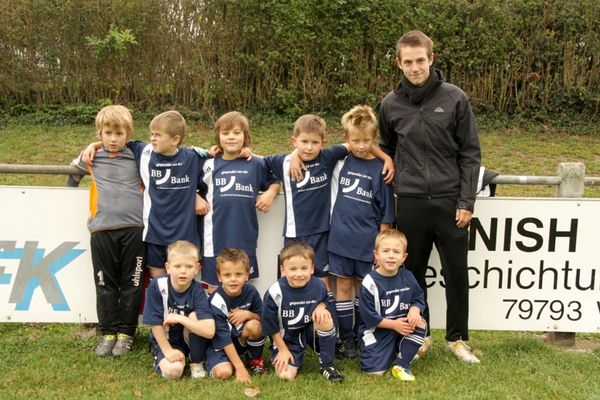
column 425, row 347
column 197, row 370
column 105, row 347
column 462, row 351
column 402, row 374
column 346, row 349
column 332, row 374
column 257, row 365
column 123, row 345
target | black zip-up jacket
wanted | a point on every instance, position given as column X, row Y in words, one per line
column 434, row 144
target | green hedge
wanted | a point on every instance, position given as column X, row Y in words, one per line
column 533, row 58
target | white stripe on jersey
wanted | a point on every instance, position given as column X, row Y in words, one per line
column 219, row 303
column 290, row 227
column 145, row 175
column 277, row 296
column 208, row 244
column 335, row 183
column 369, row 284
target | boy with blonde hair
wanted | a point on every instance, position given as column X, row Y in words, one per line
column 116, row 227
column 236, row 306
column 308, row 197
column 178, row 313
column 295, row 314
column 391, row 302
column 171, row 176
column 362, row 205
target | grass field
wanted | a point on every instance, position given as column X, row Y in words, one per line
column 56, row 361
column 51, row 361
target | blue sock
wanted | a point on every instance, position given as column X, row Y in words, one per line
column 409, row 345
column 345, row 312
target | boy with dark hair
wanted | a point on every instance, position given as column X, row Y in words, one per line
column 232, row 187
column 236, row 306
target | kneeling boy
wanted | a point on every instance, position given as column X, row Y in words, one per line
column 178, row 313
column 295, row 314
column 391, row 303
column 236, row 306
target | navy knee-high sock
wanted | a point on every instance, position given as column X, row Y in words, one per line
column 198, row 346
column 409, row 345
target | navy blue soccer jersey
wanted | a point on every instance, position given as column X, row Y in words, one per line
column 231, row 188
column 221, row 304
column 170, row 185
column 386, row 297
column 162, row 299
column 288, row 310
column 361, row 202
column 307, row 202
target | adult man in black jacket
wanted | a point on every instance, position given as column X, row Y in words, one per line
column 427, row 125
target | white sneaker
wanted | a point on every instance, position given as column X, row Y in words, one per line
column 425, row 347
column 462, row 351
column 197, row 370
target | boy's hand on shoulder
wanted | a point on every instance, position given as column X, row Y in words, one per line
column 297, row 167
column 246, row 152
column 87, row 155
column 388, row 170
column 214, row 151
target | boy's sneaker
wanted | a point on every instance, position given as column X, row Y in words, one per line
column 257, row 365
column 462, row 351
column 105, row 347
column 346, row 349
column 402, row 374
column 197, row 370
column 331, row 373
column 425, row 347
column 123, row 345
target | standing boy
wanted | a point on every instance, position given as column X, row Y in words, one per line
column 170, row 176
column 232, row 188
column 362, row 205
column 178, row 313
column 295, row 314
column 391, row 302
column 427, row 125
column 236, row 307
column 116, row 226
column 308, row 199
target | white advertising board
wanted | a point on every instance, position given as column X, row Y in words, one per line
column 532, row 262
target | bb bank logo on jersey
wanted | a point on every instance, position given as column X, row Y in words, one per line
column 163, row 177
column 312, row 180
column 226, row 185
column 37, row 269
column 296, row 316
column 354, row 186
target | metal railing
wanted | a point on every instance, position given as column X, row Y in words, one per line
column 557, row 180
